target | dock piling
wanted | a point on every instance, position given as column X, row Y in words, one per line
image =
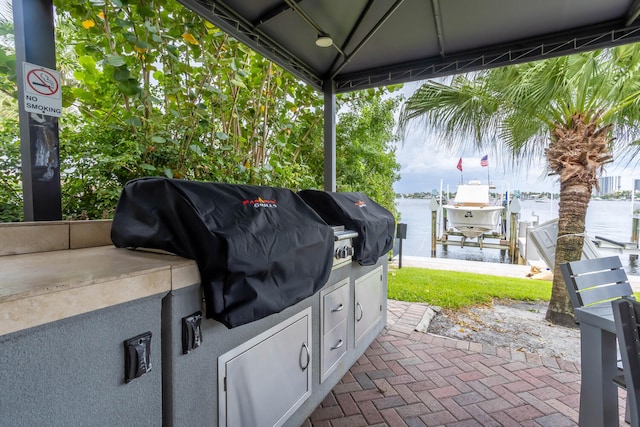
column 433, row 207
column 513, row 237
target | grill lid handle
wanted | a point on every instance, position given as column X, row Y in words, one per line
column 343, row 235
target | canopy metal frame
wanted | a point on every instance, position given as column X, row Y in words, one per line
column 374, row 43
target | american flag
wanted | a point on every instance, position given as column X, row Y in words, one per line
column 484, row 161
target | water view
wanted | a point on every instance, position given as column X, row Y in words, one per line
column 610, row 219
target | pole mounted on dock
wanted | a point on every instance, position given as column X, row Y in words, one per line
column 433, row 207
column 514, row 208
column 484, row 162
column 635, row 214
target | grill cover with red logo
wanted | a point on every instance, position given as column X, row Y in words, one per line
column 375, row 224
column 259, row 249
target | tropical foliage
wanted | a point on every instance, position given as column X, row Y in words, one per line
column 572, row 111
column 10, row 189
column 152, row 89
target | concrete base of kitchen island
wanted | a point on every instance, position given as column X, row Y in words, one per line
column 69, row 300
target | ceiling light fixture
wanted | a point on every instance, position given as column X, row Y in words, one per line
column 324, row 40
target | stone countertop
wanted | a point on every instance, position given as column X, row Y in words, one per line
column 40, row 288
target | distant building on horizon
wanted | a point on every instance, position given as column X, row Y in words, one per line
column 608, row 185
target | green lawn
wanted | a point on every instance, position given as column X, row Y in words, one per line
column 451, row 289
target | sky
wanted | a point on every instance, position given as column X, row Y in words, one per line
column 423, row 167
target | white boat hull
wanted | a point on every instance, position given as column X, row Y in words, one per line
column 473, row 221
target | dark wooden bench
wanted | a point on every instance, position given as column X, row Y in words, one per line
column 626, row 313
column 598, row 281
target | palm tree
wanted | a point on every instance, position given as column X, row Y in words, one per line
column 573, row 110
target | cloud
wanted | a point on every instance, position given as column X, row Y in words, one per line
column 424, row 165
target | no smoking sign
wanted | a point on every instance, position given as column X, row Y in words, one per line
column 42, row 92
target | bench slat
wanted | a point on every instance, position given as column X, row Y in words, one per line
column 603, row 293
column 600, row 278
column 595, row 264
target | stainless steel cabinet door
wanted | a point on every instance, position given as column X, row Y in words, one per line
column 268, row 377
column 368, row 302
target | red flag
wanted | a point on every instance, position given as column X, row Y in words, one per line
column 484, row 161
column 460, row 164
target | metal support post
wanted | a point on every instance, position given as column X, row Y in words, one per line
column 35, row 44
column 329, row 90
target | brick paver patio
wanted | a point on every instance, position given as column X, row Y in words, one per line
column 408, row 378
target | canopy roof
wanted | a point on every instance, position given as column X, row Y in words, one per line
column 377, row 43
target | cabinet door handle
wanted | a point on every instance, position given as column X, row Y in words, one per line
column 358, row 305
column 339, row 344
column 338, row 308
column 306, row 349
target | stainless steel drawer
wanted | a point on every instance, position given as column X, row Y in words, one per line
column 335, row 303
column 334, row 346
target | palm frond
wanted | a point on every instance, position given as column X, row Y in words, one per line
column 462, row 111
column 516, row 107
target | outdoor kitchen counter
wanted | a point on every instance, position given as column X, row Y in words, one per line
column 39, row 288
column 70, row 302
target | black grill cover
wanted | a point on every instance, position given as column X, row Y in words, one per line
column 375, row 224
column 259, row 249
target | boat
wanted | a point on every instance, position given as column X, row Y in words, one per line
column 471, row 212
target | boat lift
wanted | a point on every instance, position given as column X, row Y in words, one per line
column 507, row 238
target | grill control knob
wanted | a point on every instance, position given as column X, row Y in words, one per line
column 341, row 252
column 344, row 252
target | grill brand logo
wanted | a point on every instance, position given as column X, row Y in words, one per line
column 360, row 204
column 261, row 203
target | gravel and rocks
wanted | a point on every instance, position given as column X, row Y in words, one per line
column 515, row 324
